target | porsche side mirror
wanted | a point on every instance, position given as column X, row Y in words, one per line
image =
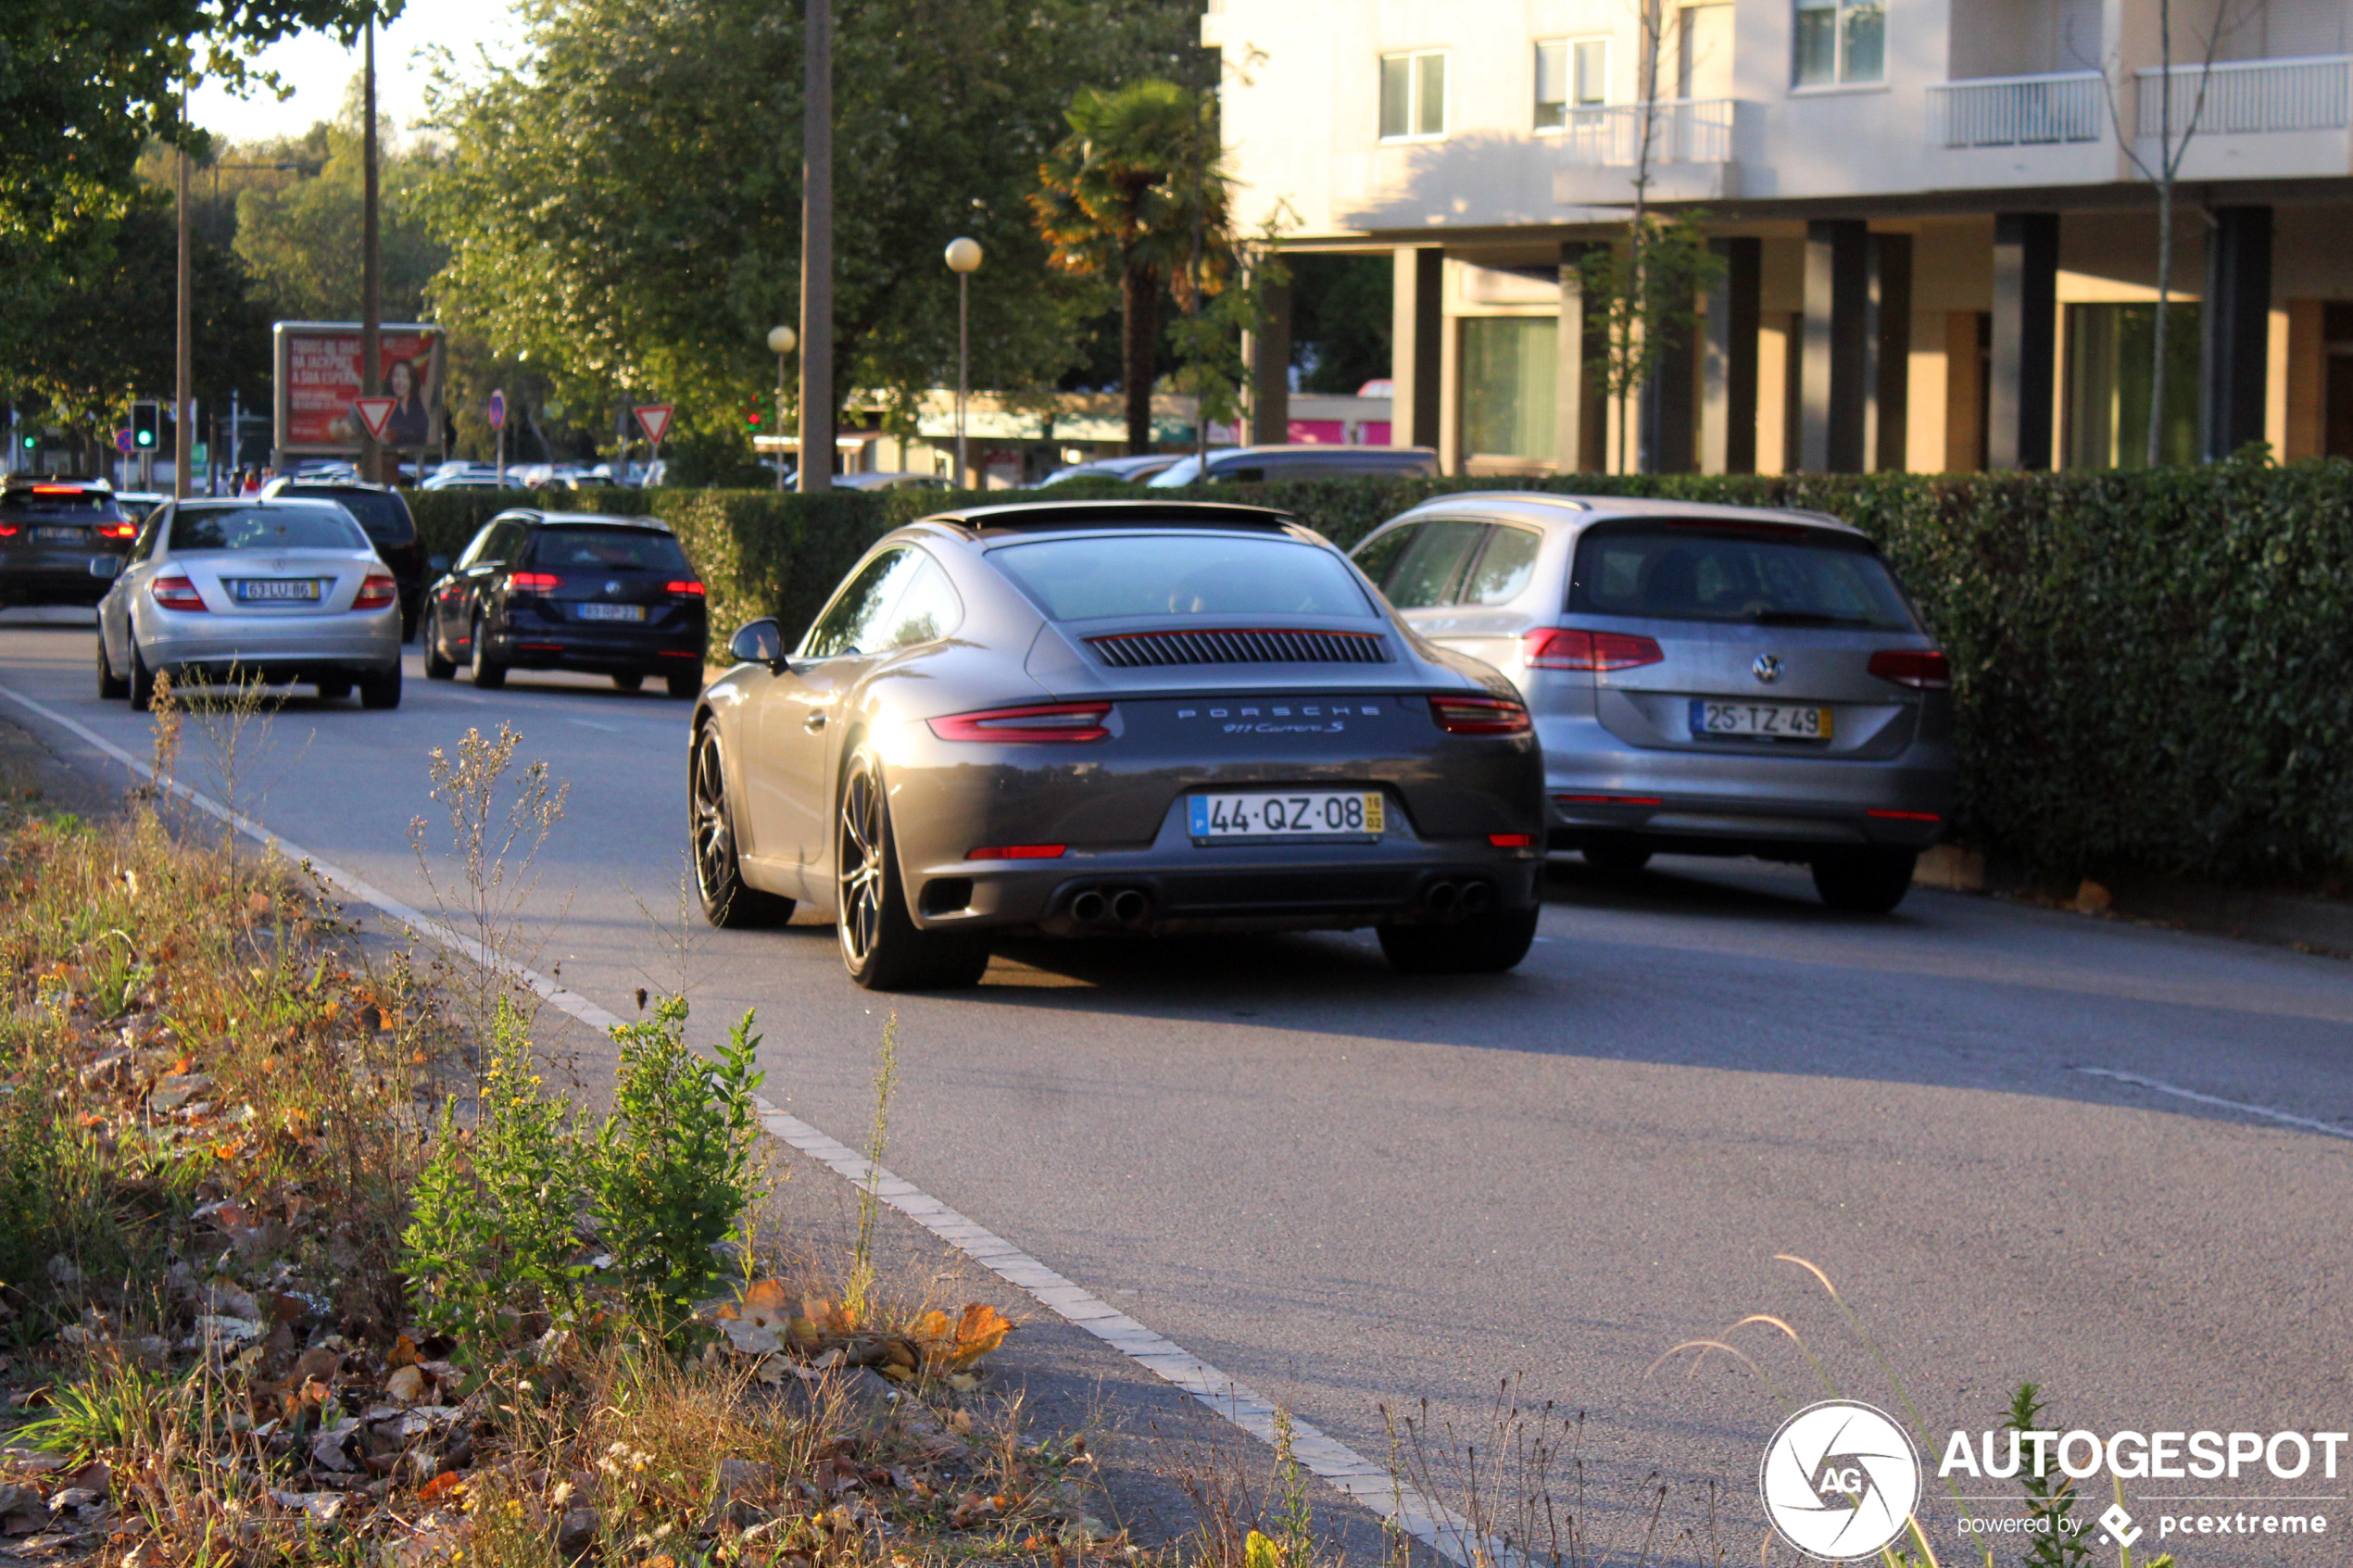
column 760, row 641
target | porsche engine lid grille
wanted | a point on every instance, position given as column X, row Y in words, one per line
column 1130, row 650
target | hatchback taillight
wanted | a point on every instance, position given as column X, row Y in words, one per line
column 176, row 593
column 375, row 594
column 1924, row 669
column 539, row 582
column 1033, row 721
column 1478, row 715
column 117, row 530
column 1569, row 647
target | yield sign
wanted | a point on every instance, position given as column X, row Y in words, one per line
column 655, row 419
column 374, row 412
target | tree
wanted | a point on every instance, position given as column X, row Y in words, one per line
column 623, row 208
column 301, row 238
column 2173, row 136
column 1128, row 196
column 83, row 87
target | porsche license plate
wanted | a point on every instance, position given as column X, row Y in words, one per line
column 1307, row 813
column 1764, row 720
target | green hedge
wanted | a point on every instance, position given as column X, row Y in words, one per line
column 2152, row 670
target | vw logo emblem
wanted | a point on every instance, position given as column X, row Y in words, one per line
column 613, row 586
column 1768, row 668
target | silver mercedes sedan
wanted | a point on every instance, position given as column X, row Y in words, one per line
column 279, row 590
column 1705, row 680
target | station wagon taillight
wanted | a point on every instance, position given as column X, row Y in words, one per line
column 1923, row 669
column 176, row 593
column 690, row 588
column 1478, row 715
column 1043, row 722
column 375, row 594
column 1569, row 647
column 541, row 581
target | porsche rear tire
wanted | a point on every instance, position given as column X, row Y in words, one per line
column 881, row 946
column 1487, row 943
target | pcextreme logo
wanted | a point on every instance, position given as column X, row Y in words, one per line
column 1840, row 1480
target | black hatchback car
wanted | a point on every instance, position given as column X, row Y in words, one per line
column 384, row 517
column 62, row 541
column 569, row 591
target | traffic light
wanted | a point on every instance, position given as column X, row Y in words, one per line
column 755, row 421
column 145, row 419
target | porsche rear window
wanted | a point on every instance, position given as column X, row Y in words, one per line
column 264, row 528
column 1141, row 574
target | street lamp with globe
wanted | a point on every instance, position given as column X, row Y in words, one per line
column 963, row 260
column 780, row 343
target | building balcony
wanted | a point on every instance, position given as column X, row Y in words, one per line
column 2247, row 97
column 1691, row 152
column 2017, row 111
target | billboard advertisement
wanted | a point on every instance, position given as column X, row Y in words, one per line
column 317, row 377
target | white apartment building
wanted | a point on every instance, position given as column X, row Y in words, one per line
column 1939, row 252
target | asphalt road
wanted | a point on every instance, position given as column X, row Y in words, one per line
column 1348, row 1187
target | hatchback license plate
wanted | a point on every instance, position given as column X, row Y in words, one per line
column 610, row 612
column 60, row 535
column 275, row 590
column 1313, row 813
column 1770, row 720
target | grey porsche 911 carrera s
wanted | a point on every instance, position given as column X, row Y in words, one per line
column 1092, row 718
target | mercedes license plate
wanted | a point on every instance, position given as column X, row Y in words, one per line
column 275, row 590
column 1766, row 721
column 610, row 612
column 1308, row 813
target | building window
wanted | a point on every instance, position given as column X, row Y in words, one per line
column 1413, row 96
column 1840, row 41
column 2108, row 382
column 1509, row 386
column 1571, row 73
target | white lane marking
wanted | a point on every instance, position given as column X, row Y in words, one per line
column 2161, row 1087
column 592, row 725
column 1439, row 1528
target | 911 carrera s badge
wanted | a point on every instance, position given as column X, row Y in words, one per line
column 1282, row 719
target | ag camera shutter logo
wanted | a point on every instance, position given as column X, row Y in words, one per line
column 1840, row 1480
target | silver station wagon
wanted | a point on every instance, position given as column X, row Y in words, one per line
column 1704, row 680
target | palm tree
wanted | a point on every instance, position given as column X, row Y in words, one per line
column 1136, row 192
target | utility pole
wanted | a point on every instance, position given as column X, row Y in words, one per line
column 817, row 256
column 371, row 285
column 182, row 422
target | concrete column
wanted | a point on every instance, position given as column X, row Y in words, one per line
column 2237, row 326
column 1270, row 369
column 1837, row 356
column 1888, row 334
column 1580, row 438
column 2025, row 355
column 1416, row 343
column 1669, row 439
column 1729, row 370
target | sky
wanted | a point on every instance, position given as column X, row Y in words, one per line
column 319, row 69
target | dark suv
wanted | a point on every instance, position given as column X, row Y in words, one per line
column 62, row 541
column 384, row 517
column 569, row 591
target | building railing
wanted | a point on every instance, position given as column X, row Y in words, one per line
column 2017, row 111
column 2311, row 94
column 1682, row 131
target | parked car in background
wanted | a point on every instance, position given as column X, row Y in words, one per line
column 539, row 590
column 1275, row 463
column 889, row 481
column 482, row 478
column 233, row 589
column 1093, row 718
column 62, row 541
column 1135, row 470
column 384, row 517
column 137, row 504
column 1705, row 680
